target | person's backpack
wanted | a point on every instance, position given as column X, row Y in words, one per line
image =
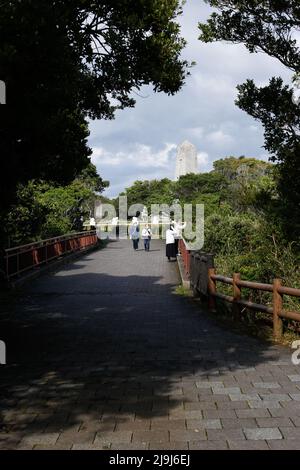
column 146, row 233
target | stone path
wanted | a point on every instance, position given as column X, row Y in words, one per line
column 103, row 355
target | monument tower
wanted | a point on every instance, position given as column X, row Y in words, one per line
column 186, row 161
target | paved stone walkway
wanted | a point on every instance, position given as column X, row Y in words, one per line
column 103, row 355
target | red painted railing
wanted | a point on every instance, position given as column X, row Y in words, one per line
column 185, row 254
column 23, row 258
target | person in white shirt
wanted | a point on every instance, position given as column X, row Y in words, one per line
column 170, row 243
column 146, row 235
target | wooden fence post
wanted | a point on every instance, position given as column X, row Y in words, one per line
column 212, row 289
column 236, row 309
column 277, row 308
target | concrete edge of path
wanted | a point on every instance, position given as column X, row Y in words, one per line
column 185, row 281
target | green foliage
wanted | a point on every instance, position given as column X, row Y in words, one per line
column 232, row 167
column 26, row 216
column 150, row 192
column 229, row 232
column 205, row 188
column 271, row 27
column 188, row 187
column 92, row 180
column 255, row 246
column 244, row 220
column 44, row 210
column 64, row 62
column 262, row 26
column 237, row 182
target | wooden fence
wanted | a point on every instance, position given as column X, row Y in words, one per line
column 276, row 289
column 191, row 261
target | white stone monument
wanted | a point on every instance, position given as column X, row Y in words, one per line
column 187, row 160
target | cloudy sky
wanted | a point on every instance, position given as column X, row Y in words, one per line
column 141, row 142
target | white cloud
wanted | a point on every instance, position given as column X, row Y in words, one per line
column 253, row 128
column 202, row 158
column 217, row 87
column 195, row 132
column 135, row 162
column 140, row 156
column 103, row 157
column 220, row 139
column 204, row 163
column 144, row 156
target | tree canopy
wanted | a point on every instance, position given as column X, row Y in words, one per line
column 243, row 227
column 235, row 181
column 150, row 192
column 266, row 26
column 64, row 62
column 44, row 210
column 269, row 26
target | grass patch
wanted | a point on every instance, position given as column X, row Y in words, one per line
column 183, row 291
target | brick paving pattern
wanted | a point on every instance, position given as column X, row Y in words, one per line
column 104, row 355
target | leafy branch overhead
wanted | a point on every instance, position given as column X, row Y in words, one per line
column 271, row 27
column 267, row 26
column 66, row 61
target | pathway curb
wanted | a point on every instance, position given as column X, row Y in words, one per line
column 185, row 281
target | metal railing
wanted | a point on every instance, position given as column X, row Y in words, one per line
column 26, row 257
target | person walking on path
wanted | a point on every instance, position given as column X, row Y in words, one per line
column 146, row 235
column 170, row 243
column 134, row 233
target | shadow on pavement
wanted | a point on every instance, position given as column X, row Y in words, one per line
column 94, row 351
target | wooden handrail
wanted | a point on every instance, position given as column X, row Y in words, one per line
column 276, row 289
column 289, row 291
column 254, row 306
column 290, row 315
column 228, row 298
column 225, row 280
column 256, row 285
column 250, row 284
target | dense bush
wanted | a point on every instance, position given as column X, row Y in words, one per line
column 44, row 210
column 245, row 222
